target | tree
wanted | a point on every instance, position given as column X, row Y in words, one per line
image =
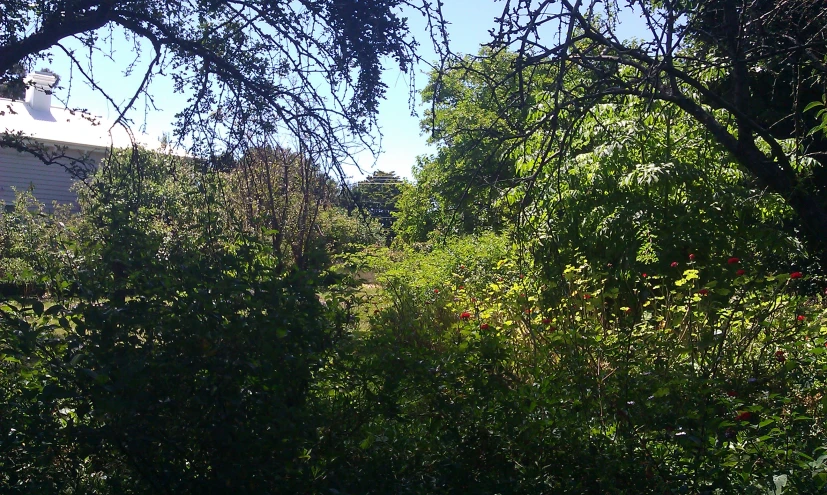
column 277, row 191
column 641, row 184
column 473, row 122
column 713, row 61
column 377, row 194
column 310, row 69
column 11, row 85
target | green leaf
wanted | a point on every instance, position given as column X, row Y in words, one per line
column 814, row 104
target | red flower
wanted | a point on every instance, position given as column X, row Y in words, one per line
column 733, row 260
column 743, row 416
column 461, row 267
column 691, row 257
column 796, row 275
column 436, row 291
column 732, row 393
column 801, row 318
column 521, row 276
column 703, row 292
column 484, row 326
column 587, row 296
column 740, row 272
column 546, row 321
column 674, row 264
column 465, row 315
column 473, row 299
column 461, row 287
column 644, row 275
column 779, row 356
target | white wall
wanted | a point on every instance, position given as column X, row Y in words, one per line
column 21, row 170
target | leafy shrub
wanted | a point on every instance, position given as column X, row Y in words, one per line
column 37, row 251
column 181, row 361
column 701, row 379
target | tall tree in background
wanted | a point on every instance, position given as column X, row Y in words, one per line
column 378, row 194
column 473, row 122
column 744, row 70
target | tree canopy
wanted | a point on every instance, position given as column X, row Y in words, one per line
column 308, row 69
column 743, row 70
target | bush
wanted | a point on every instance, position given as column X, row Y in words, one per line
column 702, row 379
column 180, row 362
column 38, row 252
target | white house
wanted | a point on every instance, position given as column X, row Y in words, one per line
column 53, row 128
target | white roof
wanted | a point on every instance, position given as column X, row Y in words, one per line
column 71, row 128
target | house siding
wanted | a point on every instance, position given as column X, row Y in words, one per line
column 49, row 183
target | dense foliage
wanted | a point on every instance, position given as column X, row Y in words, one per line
column 172, row 353
column 479, row 377
column 742, row 71
column 588, row 289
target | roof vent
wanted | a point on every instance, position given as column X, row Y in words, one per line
column 39, row 86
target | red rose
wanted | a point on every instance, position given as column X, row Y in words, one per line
column 733, row 260
column 703, row 292
column 674, row 264
column 779, row 356
column 691, row 257
column 796, row 275
column 465, row 315
column 801, row 318
column 587, row 296
column 484, row 326
column 546, row 321
column 644, row 275
column 436, row 291
column 743, row 416
column 740, row 272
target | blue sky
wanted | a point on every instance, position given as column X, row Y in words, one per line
column 470, row 21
